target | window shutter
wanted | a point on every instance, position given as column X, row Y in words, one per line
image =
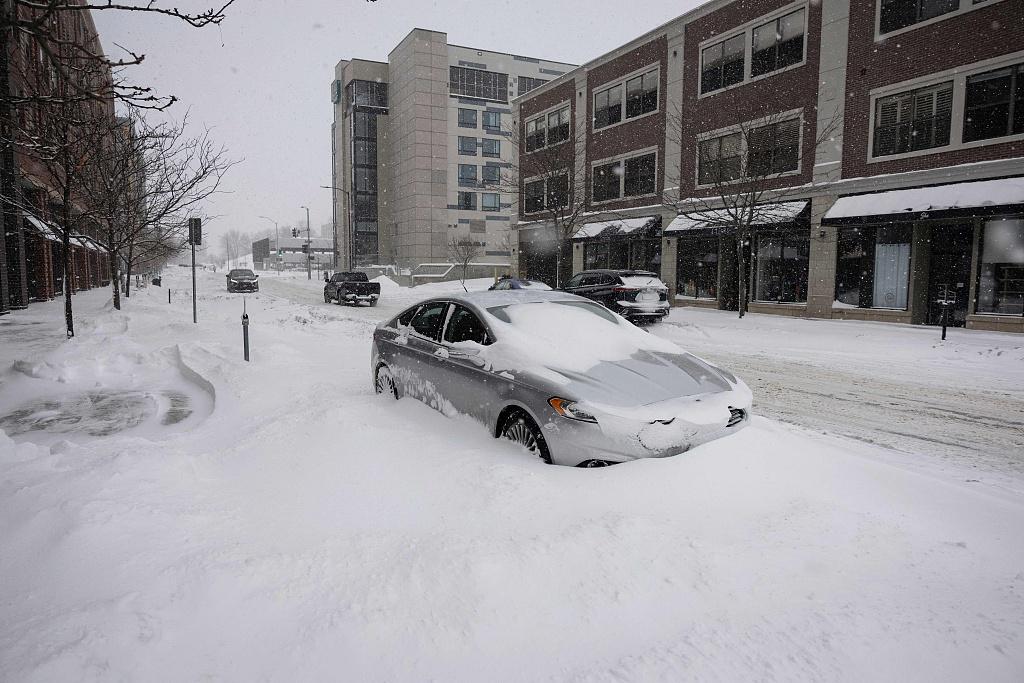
column 888, row 112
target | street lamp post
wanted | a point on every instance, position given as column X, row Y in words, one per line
column 350, row 241
column 277, row 242
column 309, row 248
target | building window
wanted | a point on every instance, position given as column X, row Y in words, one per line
column 697, row 267
column 774, row 148
column 897, row 14
column 780, row 268
column 912, row 121
column 641, row 97
column 467, row 118
column 994, row 105
column 722, row 64
column 365, row 152
column 873, row 267
column 492, row 120
column 642, row 94
column 365, row 180
column 558, row 126
column 526, row 84
column 719, row 159
column 467, row 175
column 490, row 201
column 360, row 93
column 639, row 176
column 536, row 134
column 533, row 196
column 467, row 146
column 607, row 181
column 558, row 192
column 491, row 174
column 777, row 44
column 606, row 254
column 484, row 85
column 467, row 201
column 492, row 147
column 608, row 107
column 1001, row 276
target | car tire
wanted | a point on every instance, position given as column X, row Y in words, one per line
column 520, row 428
column 373, row 302
column 327, row 297
column 384, row 381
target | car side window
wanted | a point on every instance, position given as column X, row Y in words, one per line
column 406, row 318
column 606, row 280
column 429, row 318
column 463, row 326
column 576, row 281
column 589, row 281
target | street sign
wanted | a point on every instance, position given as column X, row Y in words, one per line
column 195, row 231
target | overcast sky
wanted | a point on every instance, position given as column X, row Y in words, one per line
column 261, row 80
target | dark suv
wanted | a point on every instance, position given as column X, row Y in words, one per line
column 633, row 294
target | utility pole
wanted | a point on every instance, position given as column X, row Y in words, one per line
column 309, row 249
column 195, row 236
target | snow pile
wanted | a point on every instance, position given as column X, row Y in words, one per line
column 310, row 530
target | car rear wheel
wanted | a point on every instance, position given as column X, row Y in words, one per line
column 385, row 383
column 519, row 428
column 327, row 297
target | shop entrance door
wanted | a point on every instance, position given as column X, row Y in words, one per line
column 949, row 272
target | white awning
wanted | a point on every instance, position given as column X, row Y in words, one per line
column 973, row 195
column 764, row 214
column 45, row 230
column 621, row 226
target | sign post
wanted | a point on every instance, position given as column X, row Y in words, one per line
column 195, row 236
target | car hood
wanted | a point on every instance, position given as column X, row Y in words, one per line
column 243, row 278
column 644, row 378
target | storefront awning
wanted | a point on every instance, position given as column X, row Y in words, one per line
column 764, row 214
column 983, row 195
column 621, row 226
column 46, row 231
column 92, row 244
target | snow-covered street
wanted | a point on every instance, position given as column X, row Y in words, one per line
column 277, row 520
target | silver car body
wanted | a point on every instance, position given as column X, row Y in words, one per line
column 650, row 404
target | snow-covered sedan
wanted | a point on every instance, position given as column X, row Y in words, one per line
column 243, row 280
column 561, row 375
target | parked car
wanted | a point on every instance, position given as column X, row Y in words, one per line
column 351, row 288
column 243, row 280
column 633, row 294
column 558, row 374
column 518, row 283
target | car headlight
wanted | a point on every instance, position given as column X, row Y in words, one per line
column 571, row 410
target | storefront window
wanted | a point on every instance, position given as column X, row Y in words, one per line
column 1001, row 278
column 620, row 254
column 873, row 267
column 697, row 267
column 780, row 268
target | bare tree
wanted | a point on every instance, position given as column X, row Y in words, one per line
column 547, row 183
column 234, row 243
column 741, row 173
column 462, row 251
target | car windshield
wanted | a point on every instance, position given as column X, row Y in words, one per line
column 241, row 273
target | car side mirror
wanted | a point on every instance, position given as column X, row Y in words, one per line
column 464, row 352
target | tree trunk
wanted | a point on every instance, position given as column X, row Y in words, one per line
column 115, row 280
column 559, row 255
column 69, row 316
column 741, row 269
column 128, row 275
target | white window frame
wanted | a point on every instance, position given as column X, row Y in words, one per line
column 544, row 115
column 780, row 117
column 747, row 31
column 958, row 76
column 484, row 194
column 621, row 81
column 965, row 7
column 622, row 178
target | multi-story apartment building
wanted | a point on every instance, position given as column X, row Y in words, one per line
column 31, row 241
column 885, row 139
column 420, row 147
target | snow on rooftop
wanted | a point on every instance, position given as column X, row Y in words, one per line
column 936, row 198
column 764, row 214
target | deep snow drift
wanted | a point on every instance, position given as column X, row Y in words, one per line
column 302, row 528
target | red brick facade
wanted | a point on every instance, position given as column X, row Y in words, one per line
column 955, row 41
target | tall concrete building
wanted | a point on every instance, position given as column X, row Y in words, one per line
column 419, row 144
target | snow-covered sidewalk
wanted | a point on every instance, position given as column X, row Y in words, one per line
column 287, row 524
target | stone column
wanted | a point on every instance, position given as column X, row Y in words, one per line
column 821, row 271
column 669, row 247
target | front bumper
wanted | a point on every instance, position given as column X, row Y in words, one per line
column 634, row 436
column 243, row 287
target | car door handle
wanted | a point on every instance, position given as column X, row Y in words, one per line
column 442, row 352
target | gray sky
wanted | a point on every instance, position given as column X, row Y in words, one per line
column 261, row 80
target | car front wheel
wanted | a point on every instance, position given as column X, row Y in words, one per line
column 519, row 428
column 384, row 382
column 327, row 297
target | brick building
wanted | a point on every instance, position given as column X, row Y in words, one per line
column 32, row 241
column 895, row 156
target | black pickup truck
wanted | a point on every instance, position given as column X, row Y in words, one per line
column 351, row 288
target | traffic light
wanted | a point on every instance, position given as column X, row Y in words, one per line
column 305, row 248
column 295, row 232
